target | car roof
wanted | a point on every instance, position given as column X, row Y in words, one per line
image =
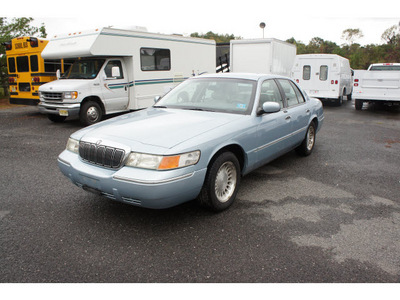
column 248, row 76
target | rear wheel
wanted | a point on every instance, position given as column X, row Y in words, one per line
column 90, row 113
column 56, row 118
column 358, row 104
column 308, row 143
column 221, row 183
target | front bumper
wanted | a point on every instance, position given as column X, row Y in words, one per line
column 68, row 110
column 146, row 188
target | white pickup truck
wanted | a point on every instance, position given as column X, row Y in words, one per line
column 380, row 83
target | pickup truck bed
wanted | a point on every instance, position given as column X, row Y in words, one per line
column 381, row 82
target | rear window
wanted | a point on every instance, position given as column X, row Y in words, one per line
column 22, row 64
column 323, row 73
column 385, row 68
column 34, row 63
column 306, row 72
column 11, row 65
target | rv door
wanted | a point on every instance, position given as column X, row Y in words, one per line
column 116, row 86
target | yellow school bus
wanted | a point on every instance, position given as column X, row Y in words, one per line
column 27, row 70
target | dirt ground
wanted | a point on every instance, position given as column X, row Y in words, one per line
column 5, row 104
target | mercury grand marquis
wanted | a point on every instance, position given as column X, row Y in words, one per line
column 196, row 142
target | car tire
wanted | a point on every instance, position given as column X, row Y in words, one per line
column 358, row 104
column 308, row 143
column 56, row 118
column 221, row 183
column 90, row 113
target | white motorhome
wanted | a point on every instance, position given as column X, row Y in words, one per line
column 119, row 70
column 324, row 76
column 380, row 83
column 269, row 56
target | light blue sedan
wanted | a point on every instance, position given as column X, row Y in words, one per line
column 196, row 142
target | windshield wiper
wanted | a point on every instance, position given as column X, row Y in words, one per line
column 198, row 109
column 159, row 106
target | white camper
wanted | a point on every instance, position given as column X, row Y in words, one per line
column 119, row 70
column 324, row 76
column 269, row 56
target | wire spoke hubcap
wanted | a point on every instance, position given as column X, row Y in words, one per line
column 310, row 138
column 225, row 181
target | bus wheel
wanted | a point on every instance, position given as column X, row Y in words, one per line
column 56, row 118
column 90, row 113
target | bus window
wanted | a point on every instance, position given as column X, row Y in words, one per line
column 11, row 65
column 22, row 64
column 34, row 63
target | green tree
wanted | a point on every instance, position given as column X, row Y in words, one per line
column 17, row 27
column 351, row 35
column 218, row 38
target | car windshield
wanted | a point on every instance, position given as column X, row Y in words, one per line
column 212, row 94
column 84, row 69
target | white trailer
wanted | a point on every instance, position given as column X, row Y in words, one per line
column 119, row 70
column 270, row 56
column 380, row 83
column 324, row 76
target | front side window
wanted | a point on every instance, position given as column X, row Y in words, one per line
column 109, row 67
column 11, row 65
column 208, row 94
column 152, row 59
column 84, row 69
column 323, row 73
column 306, row 72
column 292, row 94
column 34, row 63
column 22, row 64
column 270, row 93
column 52, row 65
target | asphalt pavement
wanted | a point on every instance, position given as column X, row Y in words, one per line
column 331, row 217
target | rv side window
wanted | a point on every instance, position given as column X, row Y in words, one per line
column 11, row 65
column 108, row 69
column 323, row 73
column 152, row 59
column 306, row 72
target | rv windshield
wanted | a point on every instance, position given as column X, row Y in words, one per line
column 84, row 69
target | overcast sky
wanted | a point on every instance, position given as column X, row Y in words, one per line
column 284, row 19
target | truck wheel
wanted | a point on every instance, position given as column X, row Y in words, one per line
column 90, row 113
column 221, row 183
column 358, row 104
column 308, row 143
column 56, row 118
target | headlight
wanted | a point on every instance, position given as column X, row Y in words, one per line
column 159, row 162
column 73, row 145
column 70, row 95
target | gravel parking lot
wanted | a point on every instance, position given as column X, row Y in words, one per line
column 331, row 217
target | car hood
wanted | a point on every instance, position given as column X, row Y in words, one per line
column 158, row 127
column 64, row 85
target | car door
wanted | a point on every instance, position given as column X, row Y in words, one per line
column 297, row 111
column 273, row 128
column 116, row 88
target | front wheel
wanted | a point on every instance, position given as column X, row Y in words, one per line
column 308, row 143
column 221, row 183
column 90, row 113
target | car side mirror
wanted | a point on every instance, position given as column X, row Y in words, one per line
column 269, row 107
column 115, row 72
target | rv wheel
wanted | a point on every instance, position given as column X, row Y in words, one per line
column 90, row 113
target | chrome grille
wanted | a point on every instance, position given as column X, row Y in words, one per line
column 51, row 96
column 101, row 155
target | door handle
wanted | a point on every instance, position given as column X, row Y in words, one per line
column 288, row 118
column 307, row 111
